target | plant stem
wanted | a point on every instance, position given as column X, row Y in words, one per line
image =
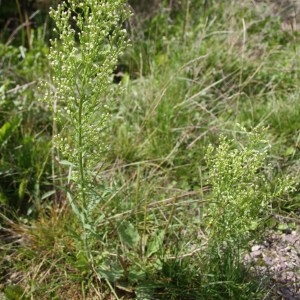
column 21, row 21
column 80, row 154
column 186, row 20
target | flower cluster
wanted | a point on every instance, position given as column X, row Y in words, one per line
column 89, row 40
column 241, row 193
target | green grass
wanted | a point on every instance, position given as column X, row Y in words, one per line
column 25, row 139
column 152, row 233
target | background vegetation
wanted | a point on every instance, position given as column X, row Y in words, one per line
column 182, row 149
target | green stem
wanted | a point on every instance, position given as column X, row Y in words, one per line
column 83, row 203
column 80, row 154
column 21, row 21
column 186, row 20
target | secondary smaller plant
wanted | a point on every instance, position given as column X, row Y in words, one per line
column 240, row 200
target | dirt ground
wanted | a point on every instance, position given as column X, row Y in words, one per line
column 287, row 10
column 277, row 257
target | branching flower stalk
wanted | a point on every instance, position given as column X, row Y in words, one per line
column 89, row 40
column 241, row 193
column 241, row 199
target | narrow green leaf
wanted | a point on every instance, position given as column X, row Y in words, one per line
column 3, row 200
column 290, row 151
column 8, row 128
column 22, row 188
column 66, row 163
column 48, row 194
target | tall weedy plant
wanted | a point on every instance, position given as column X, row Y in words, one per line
column 89, row 40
